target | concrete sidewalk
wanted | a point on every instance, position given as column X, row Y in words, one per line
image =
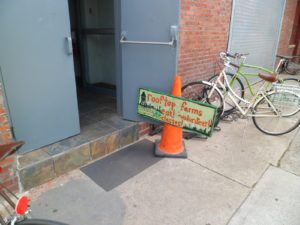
column 239, row 176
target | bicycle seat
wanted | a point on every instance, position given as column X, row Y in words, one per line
column 284, row 56
column 9, row 148
column 268, row 77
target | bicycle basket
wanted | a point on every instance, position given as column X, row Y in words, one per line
column 288, row 95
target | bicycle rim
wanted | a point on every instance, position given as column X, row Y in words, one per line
column 237, row 87
column 286, row 117
column 201, row 92
column 292, row 82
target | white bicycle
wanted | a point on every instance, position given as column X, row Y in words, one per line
column 274, row 112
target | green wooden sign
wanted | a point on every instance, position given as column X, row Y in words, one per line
column 190, row 115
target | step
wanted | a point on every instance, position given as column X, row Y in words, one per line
column 42, row 165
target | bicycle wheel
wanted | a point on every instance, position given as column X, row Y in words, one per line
column 292, row 66
column 39, row 222
column 203, row 91
column 292, row 82
column 237, row 87
column 286, row 117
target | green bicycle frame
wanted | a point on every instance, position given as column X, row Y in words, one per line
column 246, row 75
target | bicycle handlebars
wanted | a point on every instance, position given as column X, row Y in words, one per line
column 234, row 65
column 236, row 55
column 227, row 62
column 230, row 55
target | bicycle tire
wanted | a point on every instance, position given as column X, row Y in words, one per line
column 292, row 67
column 239, row 89
column 291, row 81
column 39, row 222
column 285, row 122
column 199, row 91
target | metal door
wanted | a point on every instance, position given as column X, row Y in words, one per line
column 255, row 29
column 147, row 34
column 38, row 73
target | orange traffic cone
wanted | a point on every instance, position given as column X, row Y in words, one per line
column 171, row 144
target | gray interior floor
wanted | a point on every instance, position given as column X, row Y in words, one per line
column 98, row 117
column 95, row 107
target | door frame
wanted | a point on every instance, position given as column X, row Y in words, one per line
column 117, row 15
column 6, row 105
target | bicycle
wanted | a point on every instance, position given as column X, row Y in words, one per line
column 17, row 207
column 236, row 83
column 290, row 64
column 276, row 108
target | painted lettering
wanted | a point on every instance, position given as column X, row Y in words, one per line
column 187, row 109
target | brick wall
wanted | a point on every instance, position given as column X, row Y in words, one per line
column 204, row 31
column 289, row 27
column 144, row 129
column 8, row 172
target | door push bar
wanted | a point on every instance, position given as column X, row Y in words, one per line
column 172, row 43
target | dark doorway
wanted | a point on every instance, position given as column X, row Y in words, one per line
column 92, row 28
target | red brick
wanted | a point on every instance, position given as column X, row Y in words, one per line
column 7, row 161
column 14, row 188
column 3, row 119
column 10, row 182
column 4, row 127
column 2, row 110
column 6, row 136
column 8, row 172
column 144, row 128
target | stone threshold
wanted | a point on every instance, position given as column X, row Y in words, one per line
column 42, row 165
